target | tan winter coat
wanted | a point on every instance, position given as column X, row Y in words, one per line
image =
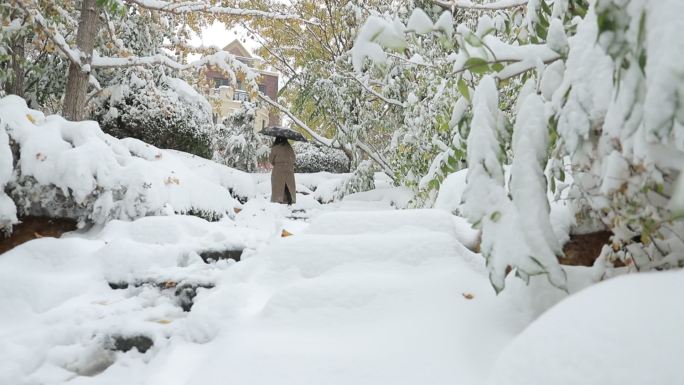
column 282, row 158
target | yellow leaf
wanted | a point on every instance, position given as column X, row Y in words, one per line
column 286, row 233
column 30, row 118
column 468, row 295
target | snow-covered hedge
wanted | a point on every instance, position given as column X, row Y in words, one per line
column 53, row 167
column 315, row 158
column 167, row 113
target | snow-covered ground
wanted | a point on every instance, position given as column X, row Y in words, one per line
column 361, row 293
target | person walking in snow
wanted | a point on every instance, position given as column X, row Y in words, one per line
column 282, row 157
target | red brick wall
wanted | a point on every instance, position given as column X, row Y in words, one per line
column 271, row 83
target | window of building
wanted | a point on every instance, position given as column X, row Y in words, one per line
column 241, row 96
column 218, row 82
column 262, row 88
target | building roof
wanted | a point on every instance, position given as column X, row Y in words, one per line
column 238, row 49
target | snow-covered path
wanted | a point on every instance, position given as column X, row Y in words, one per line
column 360, row 294
column 351, row 298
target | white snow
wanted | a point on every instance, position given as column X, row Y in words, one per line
column 419, row 22
column 624, row 331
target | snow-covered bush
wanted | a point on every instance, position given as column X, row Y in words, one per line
column 57, row 168
column 363, row 179
column 315, row 158
column 157, row 109
column 236, row 144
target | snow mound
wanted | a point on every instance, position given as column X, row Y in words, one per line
column 73, row 169
column 450, row 197
column 600, row 336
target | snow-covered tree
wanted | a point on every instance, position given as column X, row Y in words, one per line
column 236, row 143
column 98, row 45
column 596, row 105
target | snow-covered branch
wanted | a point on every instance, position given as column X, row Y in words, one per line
column 72, row 54
column 517, row 59
column 493, row 6
column 377, row 157
column 132, row 61
column 370, row 90
column 186, row 7
column 321, row 139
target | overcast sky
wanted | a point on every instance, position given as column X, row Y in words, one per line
column 217, row 35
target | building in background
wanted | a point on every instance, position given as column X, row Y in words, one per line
column 230, row 99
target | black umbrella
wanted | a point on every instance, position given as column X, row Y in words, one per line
column 284, row 132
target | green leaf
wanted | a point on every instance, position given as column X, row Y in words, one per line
column 473, row 40
column 541, row 31
column 477, row 65
column 463, row 88
column 497, row 67
column 543, row 21
column 545, row 7
column 495, row 216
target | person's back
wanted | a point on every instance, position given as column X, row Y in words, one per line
column 282, row 157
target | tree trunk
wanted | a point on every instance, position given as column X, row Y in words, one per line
column 77, row 80
column 16, row 86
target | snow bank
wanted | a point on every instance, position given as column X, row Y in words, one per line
column 627, row 330
column 73, row 169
